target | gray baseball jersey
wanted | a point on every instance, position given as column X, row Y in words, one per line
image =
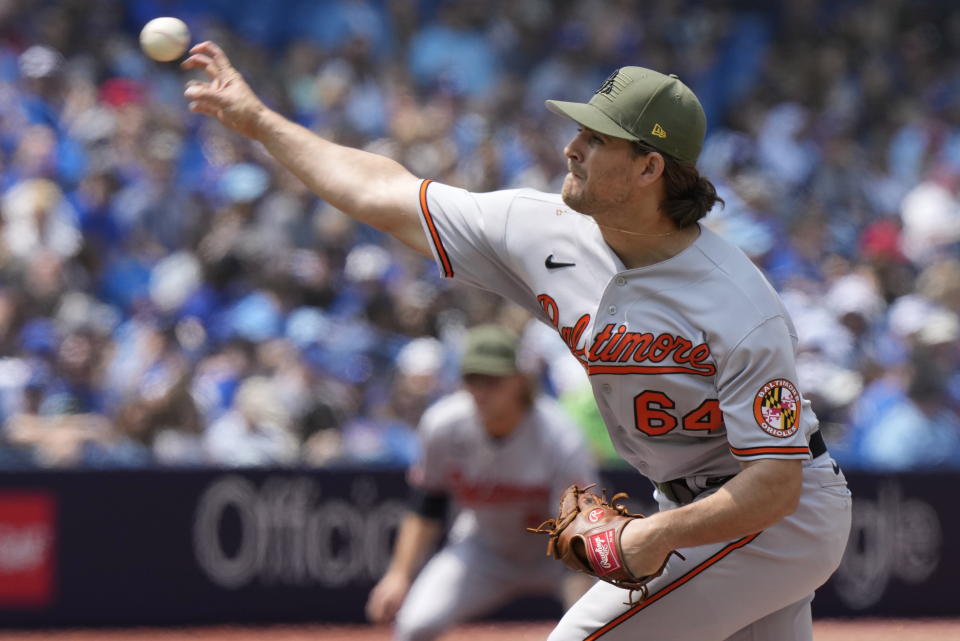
column 684, row 387
column 500, row 487
column 692, row 363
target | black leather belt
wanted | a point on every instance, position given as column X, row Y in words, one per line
column 679, row 491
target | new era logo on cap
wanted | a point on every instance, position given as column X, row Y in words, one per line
column 658, row 131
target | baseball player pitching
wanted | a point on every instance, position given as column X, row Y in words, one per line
column 504, row 455
column 690, row 352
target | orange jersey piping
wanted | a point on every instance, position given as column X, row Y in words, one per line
column 434, row 235
column 643, row 369
column 735, row 545
column 754, row 451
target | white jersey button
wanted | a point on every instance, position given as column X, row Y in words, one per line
column 606, row 388
column 621, row 281
column 612, row 310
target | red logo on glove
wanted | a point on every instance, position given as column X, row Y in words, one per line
column 602, row 550
column 595, row 515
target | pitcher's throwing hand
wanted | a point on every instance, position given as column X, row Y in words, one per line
column 227, row 97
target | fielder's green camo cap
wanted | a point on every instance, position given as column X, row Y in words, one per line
column 490, row 350
column 643, row 105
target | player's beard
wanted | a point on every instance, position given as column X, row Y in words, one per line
column 591, row 198
column 573, row 193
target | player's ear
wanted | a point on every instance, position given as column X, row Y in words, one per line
column 653, row 165
column 650, row 166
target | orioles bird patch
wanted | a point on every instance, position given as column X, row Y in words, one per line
column 777, row 408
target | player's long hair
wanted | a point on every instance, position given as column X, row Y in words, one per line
column 689, row 196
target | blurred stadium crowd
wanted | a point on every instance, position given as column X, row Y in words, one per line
column 169, row 296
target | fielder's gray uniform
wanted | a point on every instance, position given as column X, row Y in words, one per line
column 500, row 488
column 692, row 362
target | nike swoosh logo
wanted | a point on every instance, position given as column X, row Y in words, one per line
column 549, row 262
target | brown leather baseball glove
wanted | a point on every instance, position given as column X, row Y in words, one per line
column 586, row 537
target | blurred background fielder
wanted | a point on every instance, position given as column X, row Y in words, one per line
column 503, row 453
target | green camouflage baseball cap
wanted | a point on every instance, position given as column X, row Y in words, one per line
column 643, row 105
column 490, row 350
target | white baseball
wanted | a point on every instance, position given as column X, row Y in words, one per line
column 164, row 39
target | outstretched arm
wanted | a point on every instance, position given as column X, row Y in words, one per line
column 371, row 188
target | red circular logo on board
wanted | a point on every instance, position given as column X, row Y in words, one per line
column 776, row 407
column 595, row 515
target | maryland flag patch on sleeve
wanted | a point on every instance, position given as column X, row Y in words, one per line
column 777, row 408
